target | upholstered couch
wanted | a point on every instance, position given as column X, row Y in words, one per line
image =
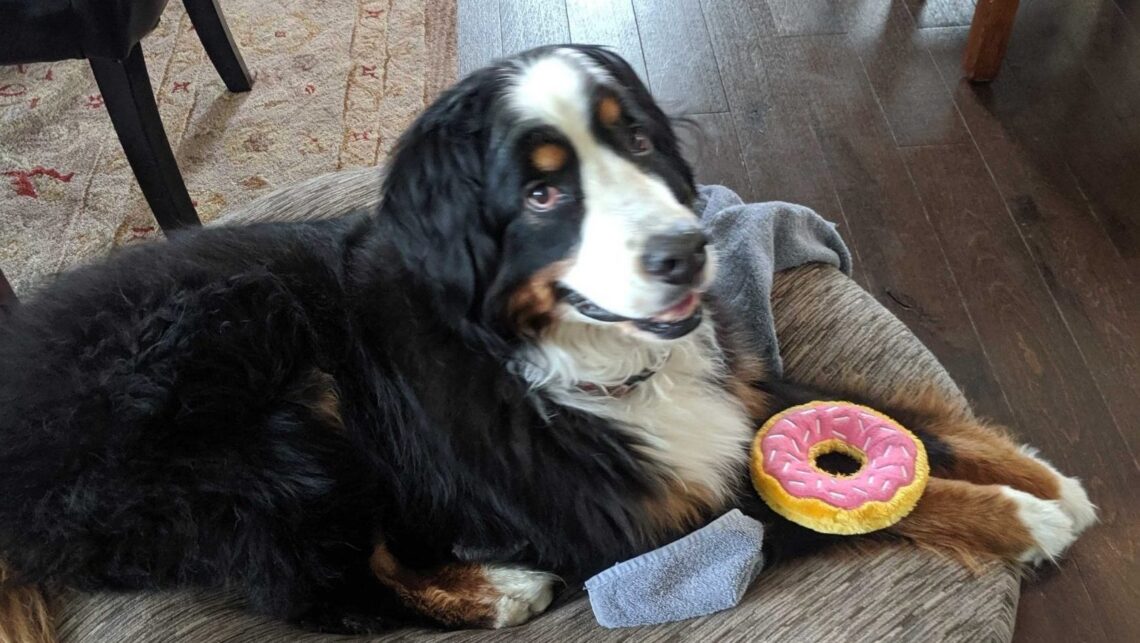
column 832, row 333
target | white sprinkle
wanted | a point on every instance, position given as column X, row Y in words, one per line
column 836, row 494
column 887, row 453
column 886, row 483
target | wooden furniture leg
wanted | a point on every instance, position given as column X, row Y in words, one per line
column 989, row 35
column 130, row 102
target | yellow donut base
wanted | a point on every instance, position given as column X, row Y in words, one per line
column 820, row 516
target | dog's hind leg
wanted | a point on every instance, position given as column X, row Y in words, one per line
column 987, row 521
column 983, row 454
column 454, row 594
column 963, row 448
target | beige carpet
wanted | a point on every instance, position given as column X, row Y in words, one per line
column 336, row 82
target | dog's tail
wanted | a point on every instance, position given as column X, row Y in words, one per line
column 24, row 613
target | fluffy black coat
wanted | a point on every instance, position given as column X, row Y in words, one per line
column 164, row 415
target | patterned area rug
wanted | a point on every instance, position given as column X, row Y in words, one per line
column 335, row 84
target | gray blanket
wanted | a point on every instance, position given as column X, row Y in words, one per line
column 754, row 241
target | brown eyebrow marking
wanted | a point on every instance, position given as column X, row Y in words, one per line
column 549, row 157
column 609, row 110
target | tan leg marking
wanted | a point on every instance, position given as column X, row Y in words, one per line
column 467, row 594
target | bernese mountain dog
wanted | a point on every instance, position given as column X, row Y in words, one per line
column 508, row 374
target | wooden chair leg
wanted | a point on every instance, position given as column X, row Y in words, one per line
column 7, row 296
column 989, row 36
column 215, row 34
column 130, row 102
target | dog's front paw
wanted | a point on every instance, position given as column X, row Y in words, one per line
column 1050, row 528
column 522, row 593
column 1074, row 500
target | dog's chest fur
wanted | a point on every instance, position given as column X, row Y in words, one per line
column 691, row 426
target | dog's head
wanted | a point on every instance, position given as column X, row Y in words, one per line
column 549, row 188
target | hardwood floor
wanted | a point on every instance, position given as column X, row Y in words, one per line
column 1000, row 222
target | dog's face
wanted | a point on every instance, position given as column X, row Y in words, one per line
column 574, row 198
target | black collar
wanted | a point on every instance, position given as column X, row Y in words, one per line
column 627, row 386
column 616, row 390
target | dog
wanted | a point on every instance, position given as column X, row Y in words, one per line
column 510, row 373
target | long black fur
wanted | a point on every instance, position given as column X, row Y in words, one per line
column 157, row 420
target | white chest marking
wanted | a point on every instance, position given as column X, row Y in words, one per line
column 690, row 425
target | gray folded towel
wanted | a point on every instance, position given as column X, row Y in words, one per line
column 753, row 242
column 707, row 571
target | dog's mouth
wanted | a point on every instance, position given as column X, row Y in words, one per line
column 676, row 321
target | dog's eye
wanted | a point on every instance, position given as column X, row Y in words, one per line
column 639, row 142
column 542, row 197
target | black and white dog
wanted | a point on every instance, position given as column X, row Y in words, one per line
column 425, row 413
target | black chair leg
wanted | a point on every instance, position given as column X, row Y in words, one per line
column 130, row 102
column 212, row 29
column 7, row 296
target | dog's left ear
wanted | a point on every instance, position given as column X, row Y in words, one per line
column 434, row 194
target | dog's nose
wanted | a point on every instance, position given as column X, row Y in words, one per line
column 675, row 257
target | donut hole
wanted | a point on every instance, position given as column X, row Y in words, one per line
column 838, row 464
column 837, row 458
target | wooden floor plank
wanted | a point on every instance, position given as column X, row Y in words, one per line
column 711, row 145
column 910, row 90
column 905, row 264
column 1102, row 40
column 480, row 39
column 806, row 17
column 941, row 13
column 1054, row 398
column 608, row 22
column 783, row 158
column 678, row 57
column 1131, row 10
column 1050, row 95
column 530, row 23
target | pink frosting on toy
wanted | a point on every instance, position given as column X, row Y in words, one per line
column 890, row 454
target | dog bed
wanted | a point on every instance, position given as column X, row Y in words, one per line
column 832, row 334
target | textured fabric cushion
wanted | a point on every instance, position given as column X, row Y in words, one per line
column 833, row 334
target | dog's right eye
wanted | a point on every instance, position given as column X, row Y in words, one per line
column 542, row 197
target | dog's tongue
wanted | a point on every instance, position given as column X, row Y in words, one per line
column 681, row 310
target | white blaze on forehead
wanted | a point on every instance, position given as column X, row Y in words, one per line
column 624, row 203
column 555, row 90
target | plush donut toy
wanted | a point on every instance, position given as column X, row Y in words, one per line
column 838, row 468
